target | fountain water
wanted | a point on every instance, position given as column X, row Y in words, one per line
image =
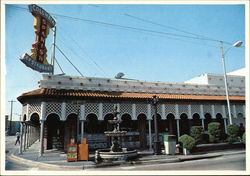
column 115, row 152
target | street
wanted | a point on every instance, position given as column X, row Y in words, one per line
column 230, row 162
column 235, row 162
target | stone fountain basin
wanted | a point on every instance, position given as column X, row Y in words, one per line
column 125, row 154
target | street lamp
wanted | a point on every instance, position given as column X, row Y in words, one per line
column 236, row 44
column 157, row 143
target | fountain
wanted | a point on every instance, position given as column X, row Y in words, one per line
column 115, row 152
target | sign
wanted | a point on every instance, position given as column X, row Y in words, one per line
column 72, row 152
column 42, row 24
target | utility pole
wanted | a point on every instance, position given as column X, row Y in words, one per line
column 11, row 108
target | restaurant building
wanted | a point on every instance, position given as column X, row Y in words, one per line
column 65, row 107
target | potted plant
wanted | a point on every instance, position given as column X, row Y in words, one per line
column 187, row 143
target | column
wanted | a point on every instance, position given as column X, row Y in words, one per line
column 178, row 128
column 24, row 133
column 63, row 111
column 118, row 110
column 163, row 110
column 213, row 112
column 100, row 108
column 43, row 111
column 150, row 134
column 82, row 128
column 234, row 111
column 202, row 116
column 177, row 120
column 21, row 140
column 133, row 112
column 225, row 125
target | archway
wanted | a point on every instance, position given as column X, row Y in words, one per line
column 184, row 124
column 54, row 132
column 207, row 120
column 220, row 120
column 70, row 129
column 35, row 127
column 107, row 125
column 92, row 124
column 172, row 129
column 126, row 124
column 196, row 121
column 142, row 129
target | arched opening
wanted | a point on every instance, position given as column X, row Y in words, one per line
column 35, row 127
column 160, row 124
column 172, row 129
column 107, row 125
column 126, row 124
column 220, row 120
column 142, row 129
column 207, row 120
column 92, row 124
column 70, row 129
column 24, row 117
column 184, row 124
column 34, row 119
column 196, row 121
column 54, row 135
column 240, row 119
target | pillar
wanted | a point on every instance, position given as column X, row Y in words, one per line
column 24, row 141
column 100, row 108
column 133, row 112
column 82, row 128
column 178, row 128
column 43, row 111
column 21, row 140
column 150, row 134
column 202, row 116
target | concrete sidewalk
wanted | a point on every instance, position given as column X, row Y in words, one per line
column 57, row 159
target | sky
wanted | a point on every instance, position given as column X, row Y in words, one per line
column 153, row 42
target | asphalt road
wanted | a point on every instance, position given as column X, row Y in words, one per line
column 223, row 163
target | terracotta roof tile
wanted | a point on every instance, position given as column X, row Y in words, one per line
column 101, row 94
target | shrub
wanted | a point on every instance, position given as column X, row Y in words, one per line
column 196, row 132
column 244, row 138
column 187, row 141
column 214, row 132
column 232, row 131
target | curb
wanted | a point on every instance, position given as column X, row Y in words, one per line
column 117, row 163
column 37, row 163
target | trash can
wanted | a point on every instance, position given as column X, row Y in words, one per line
column 169, row 144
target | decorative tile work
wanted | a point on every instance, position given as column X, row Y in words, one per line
column 34, row 108
column 107, row 108
column 126, row 108
column 141, row 109
column 91, row 108
column 53, row 108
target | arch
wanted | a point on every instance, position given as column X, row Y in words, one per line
column 52, row 113
column 70, row 129
column 34, row 119
column 184, row 124
column 160, row 124
column 92, row 124
column 24, row 117
column 208, row 119
column 172, row 129
column 107, row 125
column 196, row 121
column 220, row 120
column 54, row 132
column 142, row 128
column 126, row 124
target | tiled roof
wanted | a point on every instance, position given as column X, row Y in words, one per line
column 45, row 92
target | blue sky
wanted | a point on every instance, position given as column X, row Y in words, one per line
column 104, row 50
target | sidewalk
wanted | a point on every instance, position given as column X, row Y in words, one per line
column 56, row 159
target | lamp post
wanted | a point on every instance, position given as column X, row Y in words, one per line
column 157, row 144
column 236, row 44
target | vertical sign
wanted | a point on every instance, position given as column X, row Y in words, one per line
column 42, row 24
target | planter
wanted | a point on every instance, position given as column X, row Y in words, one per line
column 186, row 151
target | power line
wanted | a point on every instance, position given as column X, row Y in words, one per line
column 132, row 28
column 69, row 60
column 97, row 65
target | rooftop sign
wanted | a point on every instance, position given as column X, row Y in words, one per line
column 42, row 24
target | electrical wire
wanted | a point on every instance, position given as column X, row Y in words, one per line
column 131, row 28
column 69, row 60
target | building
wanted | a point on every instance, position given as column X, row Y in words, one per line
column 65, row 107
